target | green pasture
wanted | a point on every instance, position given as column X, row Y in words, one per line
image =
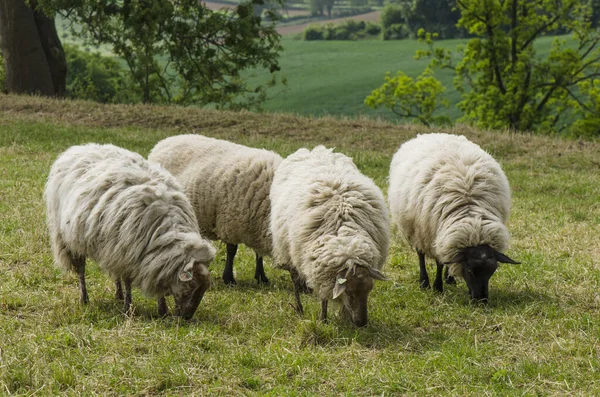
column 540, row 334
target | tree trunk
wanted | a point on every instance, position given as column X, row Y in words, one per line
column 33, row 57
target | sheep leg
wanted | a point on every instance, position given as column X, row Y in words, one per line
column 449, row 279
column 78, row 263
column 438, row 284
column 127, row 305
column 324, row 310
column 163, row 310
column 259, row 274
column 118, row 289
column 423, row 277
column 297, row 287
column 228, row 272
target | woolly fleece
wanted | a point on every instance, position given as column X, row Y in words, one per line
column 326, row 217
column 446, row 194
column 130, row 216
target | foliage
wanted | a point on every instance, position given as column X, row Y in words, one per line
column 346, row 30
column 393, row 22
column 95, row 77
column 409, row 98
column 440, row 16
column 506, row 83
column 179, row 51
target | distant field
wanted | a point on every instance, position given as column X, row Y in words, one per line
column 334, row 77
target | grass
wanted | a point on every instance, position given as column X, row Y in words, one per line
column 540, row 335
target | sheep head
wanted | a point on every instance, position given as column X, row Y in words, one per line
column 477, row 265
column 192, row 282
column 352, row 287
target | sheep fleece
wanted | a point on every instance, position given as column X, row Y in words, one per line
column 446, row 194
column 228, row 185
column 326, row 217
column 130, row 216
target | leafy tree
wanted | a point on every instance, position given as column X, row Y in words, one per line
column 505, row 82
column 34, row 60
column 179, row 51
column 409, row 98
column 440, row 16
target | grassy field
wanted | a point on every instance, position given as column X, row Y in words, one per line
column 540, row 334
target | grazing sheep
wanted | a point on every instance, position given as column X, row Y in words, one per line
column 228, row 185
column 133, row 219
column 330, row 228
column 451, row 201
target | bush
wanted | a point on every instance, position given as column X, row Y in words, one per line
column 347, row 30
column 313, row 32
column 372, row 29
column 95, row 77
column 392, row 14
column 396, row 31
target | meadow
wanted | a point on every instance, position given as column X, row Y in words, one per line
column 540, row 334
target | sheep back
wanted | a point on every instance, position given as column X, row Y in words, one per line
column 326, row 217
column 130, row 216
column 228, row 185
column 446, row 194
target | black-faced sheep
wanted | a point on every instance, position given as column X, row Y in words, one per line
column 133, row 219
column 330, row 228
column 228, row 185
column 451, row 201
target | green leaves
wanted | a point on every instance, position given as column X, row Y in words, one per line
column 505, row 83
column 410, row 98
column 178, row 51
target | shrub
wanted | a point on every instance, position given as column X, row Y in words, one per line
column 372, row 29
column 392, row 14
column 313, row 32
column 95, row 77
column 396, row 31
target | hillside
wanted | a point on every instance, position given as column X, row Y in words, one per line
column 540, row 334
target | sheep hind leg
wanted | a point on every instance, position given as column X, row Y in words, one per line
column 259, row 273
column 118, row 289
column 449, row 279
column 297, row 288
column 78, row 262
column 423, row 277
column 163, row 310
column 127, row 304
column 228, row 272
column 438, row 284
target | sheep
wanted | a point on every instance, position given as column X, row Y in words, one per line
column 133, row 219
column 451, row 200
column 228, row 185
column 330, row 227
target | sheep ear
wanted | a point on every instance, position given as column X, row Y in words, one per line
column 340, row 287
column 186, row 273
column 500, row 257
column 377, row 275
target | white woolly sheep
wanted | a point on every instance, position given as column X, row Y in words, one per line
column 133, row 219
column 228, row 185
column 330, row 228
column 451, row 201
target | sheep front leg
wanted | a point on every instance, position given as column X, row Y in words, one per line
column 297, row 287
column 438, row 285
column 78, row 263
column 449, row 279
column 423, row 277
column 127, row 305
column 259, row 274
column 324, row 310
column 228, row 272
